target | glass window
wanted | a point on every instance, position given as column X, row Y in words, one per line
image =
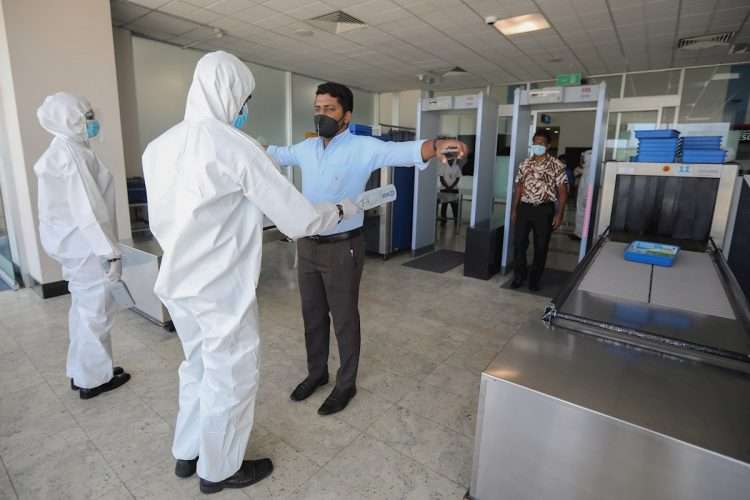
column 541, row 85
column 626, row 145
column 668, row 117
column 504, row 93
column 614, row 84
column 715, row 102
column 654, row 83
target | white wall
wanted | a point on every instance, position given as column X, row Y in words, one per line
column 123, row 41
column 399, row 108
column 48, row 47
column 163, row 74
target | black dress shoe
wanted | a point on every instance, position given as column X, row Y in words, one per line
column 117, row 370
column 534, row 286
column 113, row 383
column 337, row 401
column 185, row 468
column 250, row 473
column 516, row 283
column 307, row 387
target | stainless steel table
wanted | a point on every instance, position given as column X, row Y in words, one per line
column 568, row 416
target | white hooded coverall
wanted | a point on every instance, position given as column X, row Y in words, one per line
column 208, row 187
column 77, row 227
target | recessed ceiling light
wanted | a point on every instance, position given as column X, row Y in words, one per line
column 304, row 32
column 521, row 24
column 555, row 60
column 725, row 76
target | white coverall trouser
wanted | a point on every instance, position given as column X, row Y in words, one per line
column 90, row 322
column 215, row 419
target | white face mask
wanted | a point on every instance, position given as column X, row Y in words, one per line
column 537, row 149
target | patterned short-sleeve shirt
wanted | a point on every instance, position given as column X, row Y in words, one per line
column 540, row 179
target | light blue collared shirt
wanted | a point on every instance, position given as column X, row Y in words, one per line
column 341, row 169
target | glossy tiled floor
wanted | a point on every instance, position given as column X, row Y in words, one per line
column 407, row 435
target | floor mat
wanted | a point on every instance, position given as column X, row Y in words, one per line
column 439, row 261
column 552, row 281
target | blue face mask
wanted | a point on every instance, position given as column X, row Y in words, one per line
column 92, row 128
column 241, row 119
column 538, row 150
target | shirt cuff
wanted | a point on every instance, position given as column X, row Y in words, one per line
column 418, row 162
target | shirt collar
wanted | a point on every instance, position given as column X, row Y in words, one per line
column 336, row 139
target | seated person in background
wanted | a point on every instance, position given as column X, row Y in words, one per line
column 450, row 175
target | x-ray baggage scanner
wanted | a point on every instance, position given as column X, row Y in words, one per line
column 636, row 385
column 522, row 129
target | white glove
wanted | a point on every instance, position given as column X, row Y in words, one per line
column 349, row 208
column 115, row 270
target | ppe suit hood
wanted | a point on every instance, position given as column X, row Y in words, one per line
column 63, row 115
column 221, row 84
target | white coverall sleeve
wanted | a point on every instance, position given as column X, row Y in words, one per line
column 81, row 197
column 283, row 155
column 278, row 199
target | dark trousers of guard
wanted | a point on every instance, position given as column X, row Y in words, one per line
column 329, row 276
column 453, row 204
column 536, row 218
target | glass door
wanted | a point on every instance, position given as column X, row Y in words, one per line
column 7, row 274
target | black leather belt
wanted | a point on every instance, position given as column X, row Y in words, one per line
column 542, row 204
column 332, row 238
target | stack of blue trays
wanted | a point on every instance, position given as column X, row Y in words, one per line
column 357, row 129
column 702, row 149
column 657, row 146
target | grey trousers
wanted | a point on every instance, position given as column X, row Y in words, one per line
column 329, row 276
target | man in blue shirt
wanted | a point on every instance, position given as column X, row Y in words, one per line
column 335, row 165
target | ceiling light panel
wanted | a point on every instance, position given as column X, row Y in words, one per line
column 521, row 24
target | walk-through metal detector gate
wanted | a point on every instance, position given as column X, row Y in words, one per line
column 426, row 181
column 555, row 99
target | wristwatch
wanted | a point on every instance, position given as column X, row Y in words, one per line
column 341, row 212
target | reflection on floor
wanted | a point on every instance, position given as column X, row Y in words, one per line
column 407, row 434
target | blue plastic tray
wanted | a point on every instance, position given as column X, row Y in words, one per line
column 657, row 134
column 660, row 140
column 701, row 138
column 653, row 159
column 656, row 254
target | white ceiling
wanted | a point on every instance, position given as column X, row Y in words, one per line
column 408, row 37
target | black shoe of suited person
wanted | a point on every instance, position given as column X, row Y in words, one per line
column 516, row 283
column 117, row 370
column 250, row 473
column 115, row 382
column 534, row 286
column 337, row 401
column 185, row 468
column 307, row 387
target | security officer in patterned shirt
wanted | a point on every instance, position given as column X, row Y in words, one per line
column 538, row 205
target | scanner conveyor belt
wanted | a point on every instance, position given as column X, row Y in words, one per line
column 685, row 309
column 692, row 284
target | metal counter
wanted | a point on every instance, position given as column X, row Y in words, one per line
column 141, row 258
column 567, row 416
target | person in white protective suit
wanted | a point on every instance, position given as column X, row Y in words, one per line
column 77, row 228
column 208, row 187
column 582, row 173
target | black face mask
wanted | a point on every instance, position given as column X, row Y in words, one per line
column 326, row 126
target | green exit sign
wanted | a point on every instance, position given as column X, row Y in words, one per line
column 567, row 79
